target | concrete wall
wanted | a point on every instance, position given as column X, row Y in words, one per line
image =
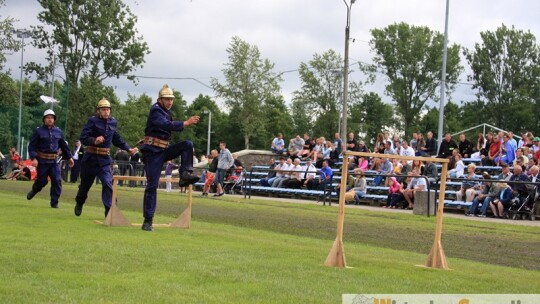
column 247, row 157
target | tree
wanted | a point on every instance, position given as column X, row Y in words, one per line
column 374, row 116
column 505, row 71
column 411, row 58
column 452, row 117
column 131, row 117
column 98, row 36
column 249, row 82
column 199, row 132
column 8, row 43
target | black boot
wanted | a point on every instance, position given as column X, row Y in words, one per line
column 187, row 178
column 30, row 195
column 147, row 225
column 54, row 205
column 78, row 208
column 107, row 211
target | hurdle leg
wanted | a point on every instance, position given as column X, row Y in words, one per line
column 115, row 216
column 184, row 220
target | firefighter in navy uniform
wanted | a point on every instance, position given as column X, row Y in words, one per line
column 98, row 135
column 43, row 150
column 156, row 151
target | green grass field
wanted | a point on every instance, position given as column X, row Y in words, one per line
column 244, row 251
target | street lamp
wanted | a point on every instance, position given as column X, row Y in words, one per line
column 21, row 33
column 209, row 130
column 346, row 73
column 443, row 79
column 338, row 73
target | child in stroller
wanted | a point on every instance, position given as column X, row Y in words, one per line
column 523, row 207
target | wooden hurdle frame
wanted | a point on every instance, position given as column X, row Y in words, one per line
column 436, row 258
column 117, row 218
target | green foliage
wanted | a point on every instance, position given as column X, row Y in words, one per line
column 8, row 42
column 131, row 117
column 411, row 58
column 97, row 36
column 373, row 116
column 505, row 70
column 249, row 83
column 198, row 134
column 453, row 120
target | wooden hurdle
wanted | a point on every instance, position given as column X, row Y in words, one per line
column 117, row 218
column 436, row 258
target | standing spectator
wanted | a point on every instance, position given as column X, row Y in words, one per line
column 43, row 149
column 98, row 135
column 168, row 174
column 122, row 159
column 465, row 146
column 447, row 146
column 211, row 171
column 278, row 145
column 225, row 162
column 77, row 156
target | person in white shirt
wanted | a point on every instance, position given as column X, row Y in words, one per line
column 278, row 144
column 459, row 169
column 294, row 175
column 406, row 150
column 307, row 173
column 416, row 184
column 285, row 173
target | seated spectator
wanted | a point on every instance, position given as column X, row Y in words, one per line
column 295, row 176
column 363, row 163
column 381, row 148
column 465, row 147
column 505, row 172
column 416, row 184
column 397, row 147
column 504, row 200
column 493, row 152
column 519, row 190
column 431, row 146
column 396, row 163
column 14, row 172
column 360, row 185
column 420, row 145
column 379, row 142
column 459, row 168
column 317, row 149
column 271, row 173
column 362, row 147
column 507, row 153
column 519, row 153
column 469, row 188
column 278, row 145
column 406, row 168
column 385, row 169
column 297, row 144
column 489, row 193
column 388, row 148
column 414, row 141
column 349, row 195
column 430, row 171
column 407, row 150
column 447, row 146
column 376, row 164
column 325, row 178
column 307, row 147
column 326, row 152
column 308, row 173
column 292, row 154
column 338, row 144
column 283, row 173
column 278, row 173
column 395, row 194
column 352, row 145
column 532, row 162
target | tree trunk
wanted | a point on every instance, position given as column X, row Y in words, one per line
column 246, row 141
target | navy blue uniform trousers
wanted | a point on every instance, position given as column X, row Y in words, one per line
column 89, row 171
column 153, row 163
column 45, row 170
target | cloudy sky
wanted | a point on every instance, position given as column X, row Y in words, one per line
column 189, row 38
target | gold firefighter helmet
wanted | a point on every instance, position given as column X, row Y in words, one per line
column 103, row 103
column 166, row 92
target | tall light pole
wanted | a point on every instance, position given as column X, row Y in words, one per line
column 209, row 130
column 346, row 74
column 52, row 81
column 21, row 33
column 443, row 78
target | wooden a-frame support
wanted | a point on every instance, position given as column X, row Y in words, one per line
column 117, row 218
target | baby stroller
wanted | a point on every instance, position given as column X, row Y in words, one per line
column 234, row 183
column 523, row 207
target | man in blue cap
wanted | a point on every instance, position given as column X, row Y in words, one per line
column 156, row 151
column 43, row 150
column 98, row 135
